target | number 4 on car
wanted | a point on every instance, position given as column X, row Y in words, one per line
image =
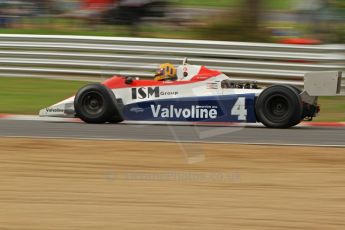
column 239, row 109
column 192, row 93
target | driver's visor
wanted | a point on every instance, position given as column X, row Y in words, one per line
column 159, row 72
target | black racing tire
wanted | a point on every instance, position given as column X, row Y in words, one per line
column 279, row 106
column 297, row 89
column 96, row 104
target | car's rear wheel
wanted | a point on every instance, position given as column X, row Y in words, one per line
column 279, row 106
column 95, row 103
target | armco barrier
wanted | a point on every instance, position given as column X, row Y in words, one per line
column 70, row 57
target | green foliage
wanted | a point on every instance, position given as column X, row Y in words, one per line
column 206, row 3
column 235, row 25
column 268, row 4
column 231, row 31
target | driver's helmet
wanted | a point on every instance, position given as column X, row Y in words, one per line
column 166, row 71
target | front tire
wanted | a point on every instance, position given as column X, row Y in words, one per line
column 96, row 104
column 279, row 106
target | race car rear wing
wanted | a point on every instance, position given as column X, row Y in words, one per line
column 324, row 83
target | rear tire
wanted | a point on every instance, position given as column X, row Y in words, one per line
column 279, row 106
column 297, row 89
column 96, row 104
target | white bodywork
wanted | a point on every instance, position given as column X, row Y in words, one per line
column 208, row 87
column 316, row 84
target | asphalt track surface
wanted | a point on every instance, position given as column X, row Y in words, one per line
column 315, row 136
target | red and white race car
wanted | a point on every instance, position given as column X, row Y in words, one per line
column 198, row 94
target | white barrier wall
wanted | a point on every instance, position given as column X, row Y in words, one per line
column 70, row 57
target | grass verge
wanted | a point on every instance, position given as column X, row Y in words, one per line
column 29, row 95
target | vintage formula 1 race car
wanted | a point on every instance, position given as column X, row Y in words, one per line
column 198, row 95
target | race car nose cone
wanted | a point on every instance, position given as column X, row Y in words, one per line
column 64, row 108
column 43, row 113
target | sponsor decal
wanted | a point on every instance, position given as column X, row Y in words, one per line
column 212, row 85
column 220, row 108
column 55, row 110
column 145, row 92
column 137, row 110
column 194, row 111
column 168, row 93
column 150, row 92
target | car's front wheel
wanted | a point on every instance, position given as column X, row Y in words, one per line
column 279, row 106
column 95, row 103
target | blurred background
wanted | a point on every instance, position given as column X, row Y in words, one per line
column 62, row 184
column 316, row 28
column 316, row 21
